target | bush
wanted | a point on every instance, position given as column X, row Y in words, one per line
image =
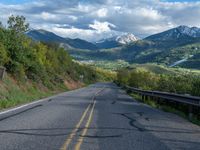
column 3, row 55
column 175, row 83
column 143, row 79
column 196, row 86
column 18, row 71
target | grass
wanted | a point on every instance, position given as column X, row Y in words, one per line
column 167, row 108
column 14, row 93
column 108, row 65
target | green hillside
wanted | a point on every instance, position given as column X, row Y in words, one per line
column 36, row 69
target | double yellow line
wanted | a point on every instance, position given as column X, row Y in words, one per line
column 74, row 131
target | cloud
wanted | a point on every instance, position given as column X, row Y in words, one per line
column 87, row 34
column 95, row 19
column 102, row 12
column 47, row 16
column 102, row 26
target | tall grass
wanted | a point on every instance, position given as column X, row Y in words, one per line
column 14, row 93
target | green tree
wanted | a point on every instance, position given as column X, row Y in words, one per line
column 18, row 24
column 17, row 45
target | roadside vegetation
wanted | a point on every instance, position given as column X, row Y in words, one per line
column 160, row 78
column 154, row 77
column 37, row 69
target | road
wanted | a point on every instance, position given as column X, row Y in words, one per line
column 98, row 117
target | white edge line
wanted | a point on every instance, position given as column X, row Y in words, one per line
column 35, row 102
column 25, row 105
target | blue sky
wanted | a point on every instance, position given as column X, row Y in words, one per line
column 96, row 19
column 180, row 0
column 24, row 1
column 14, row 1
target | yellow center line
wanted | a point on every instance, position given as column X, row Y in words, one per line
column 80, row 140
column 73, row 133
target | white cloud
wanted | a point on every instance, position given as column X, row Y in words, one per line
column 47, row 16
column 87, row 34
column 149, row 13
column 102, row 26
column 94, row 19
column 73, row 17
column 102, row 12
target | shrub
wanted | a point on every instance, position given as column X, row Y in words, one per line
column 3, row 55
column 175, row 83
column 196, row 86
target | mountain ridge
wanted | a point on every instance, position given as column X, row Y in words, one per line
column 167, row 47
column 176, row 33
column 46, row 36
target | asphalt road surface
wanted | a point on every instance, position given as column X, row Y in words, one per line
column 98, row 117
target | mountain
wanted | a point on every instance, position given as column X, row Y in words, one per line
column 170, row 47
column 46, row 36
column 181, row 32
column 178, row 46
column 175, row 47
column 126, row 38
column 81, row 44
column 107, row 43
column 116, row 41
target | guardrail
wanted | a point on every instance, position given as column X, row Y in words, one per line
column 192, row 102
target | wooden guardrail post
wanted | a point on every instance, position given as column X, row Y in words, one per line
column 146, row 97
column 143, row 98
column 190, row 112
column 2, row 72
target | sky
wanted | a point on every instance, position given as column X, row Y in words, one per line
column 94, row 20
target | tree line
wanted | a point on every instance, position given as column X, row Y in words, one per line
column 180, row 83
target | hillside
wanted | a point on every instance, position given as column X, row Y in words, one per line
column 35, row 69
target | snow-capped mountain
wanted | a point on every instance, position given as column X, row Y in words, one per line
column 126, row 38
column 116, row 41
column 193, row 31
column 180, row 32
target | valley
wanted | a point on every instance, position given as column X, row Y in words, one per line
column 166, row 48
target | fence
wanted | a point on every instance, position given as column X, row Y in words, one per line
column 192, row 102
